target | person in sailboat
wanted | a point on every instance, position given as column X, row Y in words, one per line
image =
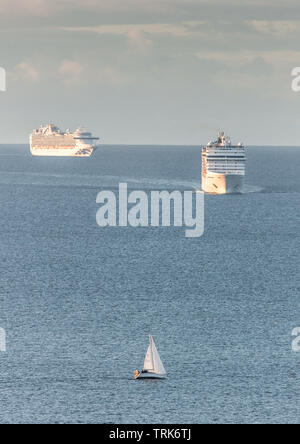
column 136, row 374
column 153, row 367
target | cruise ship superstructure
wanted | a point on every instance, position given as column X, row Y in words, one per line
column 49, row 140
column 223, row 166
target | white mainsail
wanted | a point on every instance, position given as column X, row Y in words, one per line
column 148, row 364
column 152, row 360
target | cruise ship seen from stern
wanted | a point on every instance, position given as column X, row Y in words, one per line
column 223, row 166
column 49, row 140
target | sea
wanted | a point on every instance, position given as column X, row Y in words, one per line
column 77, row 301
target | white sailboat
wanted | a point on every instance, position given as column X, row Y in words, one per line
column 153, row 367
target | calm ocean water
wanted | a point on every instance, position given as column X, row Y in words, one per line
column 77, row 301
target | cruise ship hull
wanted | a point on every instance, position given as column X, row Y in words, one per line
column 62, row 151
column 222, row 183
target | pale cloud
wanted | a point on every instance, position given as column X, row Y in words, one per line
column 276, row 28
column 237, row 80
column 54, row 6
column 74, row 72
column 237, row 58
column 281, row 58
column 195, row 28
column 43, row 7
column 39, row 7
column 227, row 57
column 265, row 71
column 25, row 7
column 71, row 70
column 176, row 10
column 26, row 71
column 138, row 41
column 127, row 30
column 109, row 75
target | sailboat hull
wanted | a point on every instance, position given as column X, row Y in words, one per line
column 151, row 376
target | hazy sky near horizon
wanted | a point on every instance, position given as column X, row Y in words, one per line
column 152, row 71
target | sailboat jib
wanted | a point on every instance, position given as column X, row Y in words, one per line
column 158, row 365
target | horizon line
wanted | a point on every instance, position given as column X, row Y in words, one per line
column 160, row 145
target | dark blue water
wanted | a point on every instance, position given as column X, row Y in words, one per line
column 77, row 301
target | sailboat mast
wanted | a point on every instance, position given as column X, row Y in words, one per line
column 151, row 346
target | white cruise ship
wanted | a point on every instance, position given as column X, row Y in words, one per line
column 49, row 140
column 223, row 166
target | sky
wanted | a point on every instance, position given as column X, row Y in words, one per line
column 152, row 71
